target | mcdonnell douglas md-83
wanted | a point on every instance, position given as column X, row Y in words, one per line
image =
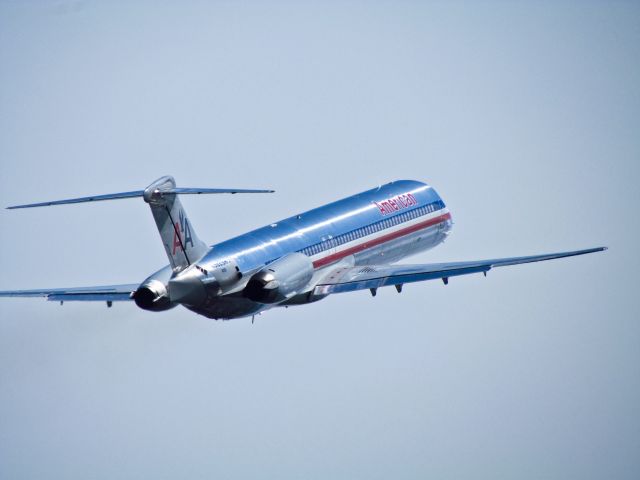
column 348, row 245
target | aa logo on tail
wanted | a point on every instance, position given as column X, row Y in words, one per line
column 182, row 233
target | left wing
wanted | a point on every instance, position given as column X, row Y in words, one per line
column 374, row 276
column 107, row 293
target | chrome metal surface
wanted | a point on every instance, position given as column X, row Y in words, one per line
column 153, row 294
column 280, row 280
column 344, row 246
column 188, row 288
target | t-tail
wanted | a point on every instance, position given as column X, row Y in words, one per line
column 178, row 236
column 180, row 241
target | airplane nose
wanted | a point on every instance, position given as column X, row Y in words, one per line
column 192, row 288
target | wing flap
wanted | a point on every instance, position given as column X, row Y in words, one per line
column 372, row 277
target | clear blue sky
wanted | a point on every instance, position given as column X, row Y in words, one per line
column 524, row 116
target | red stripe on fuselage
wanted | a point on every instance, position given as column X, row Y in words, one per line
column 382, row 239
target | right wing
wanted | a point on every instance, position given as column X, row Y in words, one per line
column 373, row 277
column 107, row 293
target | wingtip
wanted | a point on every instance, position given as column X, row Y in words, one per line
column 28, row 205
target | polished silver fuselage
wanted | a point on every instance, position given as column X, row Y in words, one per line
column 378, row 226
column 345, row 246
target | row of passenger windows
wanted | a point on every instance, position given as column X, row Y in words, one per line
column 373, row 228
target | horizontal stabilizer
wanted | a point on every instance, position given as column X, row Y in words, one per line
column 138, row 193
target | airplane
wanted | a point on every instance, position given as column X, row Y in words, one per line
column 348, row 245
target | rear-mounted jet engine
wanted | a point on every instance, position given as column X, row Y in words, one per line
column 152, row 294
column 280, row 280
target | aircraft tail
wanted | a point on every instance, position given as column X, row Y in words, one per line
column 180, row 241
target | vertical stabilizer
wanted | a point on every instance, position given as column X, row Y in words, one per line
column 180, row 241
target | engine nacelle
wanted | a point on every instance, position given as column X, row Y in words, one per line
column 152, row 294
column 280, row 280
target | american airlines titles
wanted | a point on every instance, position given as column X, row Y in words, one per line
column 393, row 204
